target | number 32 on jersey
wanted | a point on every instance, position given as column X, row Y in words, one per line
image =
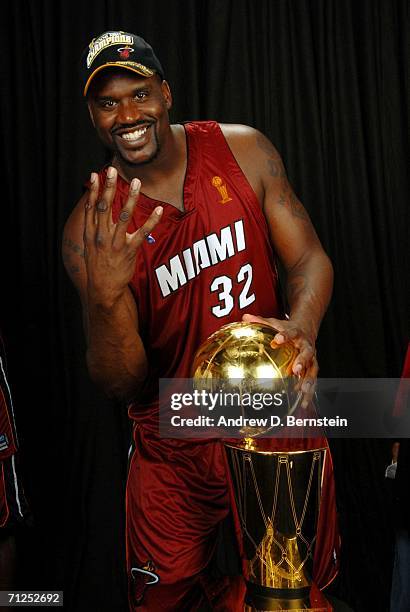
column 222, row 285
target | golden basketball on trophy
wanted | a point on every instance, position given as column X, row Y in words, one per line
column 277, row 492
column 242, row 359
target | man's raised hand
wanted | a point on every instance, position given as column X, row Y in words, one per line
column 110, row 251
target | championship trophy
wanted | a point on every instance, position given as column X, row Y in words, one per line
column 277, row 491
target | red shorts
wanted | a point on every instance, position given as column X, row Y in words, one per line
column 177, row 495
column 198, row 593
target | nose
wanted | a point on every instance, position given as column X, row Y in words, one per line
column 129, row 112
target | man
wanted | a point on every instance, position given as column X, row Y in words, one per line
column 13, row 506
column 170, row 242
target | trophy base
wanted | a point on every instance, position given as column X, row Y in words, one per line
column 260, row 603
column 296, row 605
column 285, row 606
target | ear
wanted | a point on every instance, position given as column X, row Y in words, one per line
column 90, row 111
column 166, row 92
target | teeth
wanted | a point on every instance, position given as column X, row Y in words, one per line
column 134, row 135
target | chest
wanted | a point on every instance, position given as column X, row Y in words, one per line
column 169, row 190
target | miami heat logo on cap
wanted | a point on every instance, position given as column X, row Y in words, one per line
column 125, row 52
column 108, row 39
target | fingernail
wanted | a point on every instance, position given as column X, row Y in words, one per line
column 135, row 184
column 159, row 210
column 110, row 172
column 93, row 177
column 298, row 368
column 279, row 338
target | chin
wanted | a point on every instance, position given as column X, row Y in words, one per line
column 140, row 160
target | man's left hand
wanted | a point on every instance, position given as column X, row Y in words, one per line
column 305, row 365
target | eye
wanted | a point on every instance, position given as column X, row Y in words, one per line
column 141, row 95
column 107, row 104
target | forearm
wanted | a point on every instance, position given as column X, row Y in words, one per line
column 115, row 353
column 309, row 289
column 100, row 258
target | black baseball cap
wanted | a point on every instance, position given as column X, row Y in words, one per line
column 121, row 50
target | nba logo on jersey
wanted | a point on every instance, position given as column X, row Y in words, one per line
column 4, row 443
column 222, row 189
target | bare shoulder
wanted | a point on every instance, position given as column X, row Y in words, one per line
column 242, row 139
column 242, row 142
column 244, row 135
column 73, row 245
column 255, row 154
column 238, row 131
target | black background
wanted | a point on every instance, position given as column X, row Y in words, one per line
column 325, row 80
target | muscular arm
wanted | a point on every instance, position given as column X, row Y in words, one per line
column 94, row 261
column 308, row 269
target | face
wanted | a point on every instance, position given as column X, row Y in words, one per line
column 130, row 114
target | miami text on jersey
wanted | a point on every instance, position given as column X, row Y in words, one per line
column 208, row 251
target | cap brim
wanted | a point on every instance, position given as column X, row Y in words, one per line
column 137, row 68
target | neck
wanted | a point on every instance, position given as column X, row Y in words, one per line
column 169, row 159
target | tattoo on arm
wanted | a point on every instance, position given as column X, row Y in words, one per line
column 275, row 165
column 288, row 199
column 266, row 146
column 276, row 168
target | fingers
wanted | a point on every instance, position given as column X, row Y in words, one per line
column 309, row 383
column 144, row 231
column 305, row 364
column 304, row 359
column 103, row 207
column 249, row 318
column 306, row 367
column 271, row 322
column 89, row 224
column 285, row 331
column 99, row 226
column 126, row 214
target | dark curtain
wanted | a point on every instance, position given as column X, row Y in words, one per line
column 325, row 80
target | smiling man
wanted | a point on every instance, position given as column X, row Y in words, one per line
column 140, row 144
column 176, row 237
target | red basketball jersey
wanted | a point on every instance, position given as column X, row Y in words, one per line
column 209, row 264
